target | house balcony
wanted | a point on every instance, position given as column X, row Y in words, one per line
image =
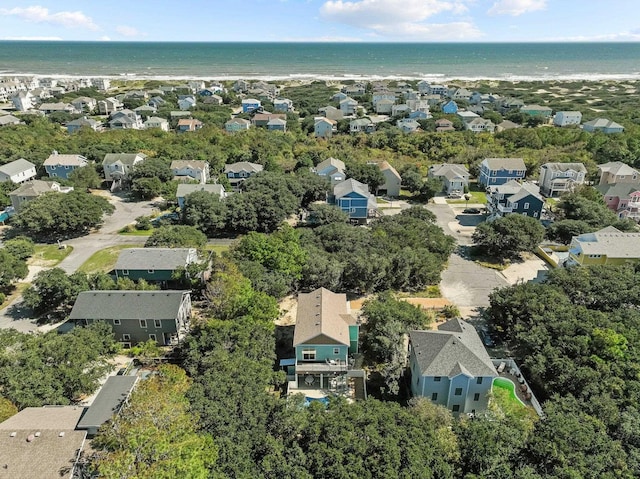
column 502, row 209
column 327, row 367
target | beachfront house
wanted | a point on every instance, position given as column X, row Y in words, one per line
column 137, row 316
column 17, row 171
column 61, row 166
column 454, row 177
column 497, row 171
column 325, row 337
column 451, row 367
column 558, row 178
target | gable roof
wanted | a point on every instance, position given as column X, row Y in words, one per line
column 127, row 305
column 604, row 123
column 336, row 164
column 16, row 166
column 455, row 348
column 526, row 189
column 504, row 163
column 617, row 168
column 66, row 160
column 243, row 166
column 155, row 258
column 385, row 166
column 193, row 164
column 554, row 166
column 349, row 186
column 621, row 190
column 33, row 188
column 8, row 119
column 610, row 242
column 185, row 189
column 322, row 313
column 449, row 171
column 124, row 158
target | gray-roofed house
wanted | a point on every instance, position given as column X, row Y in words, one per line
column 31, row 190
column 325, row 336
column 137, row 316
column 513, row 197
column 362, row 125
column 185, row 189
column 603, row 125
column 354, row 198
column 118, row 166
column 113, row 395
column 41, row 443
column 190, row 170
column 6, row 120
column 451, row 367
column 607, row 246
column 17, row 171
column 240, row 171
column 154, row 265
column 61, row 166
column 79, row 123
column 392, row 180
column 324, row 127
column 617, row 172
column 331, row 168
column 623, row 198
column 455, row 178
column 156, row 122
column 237, row 124
column 558, row 178
column 497, row 171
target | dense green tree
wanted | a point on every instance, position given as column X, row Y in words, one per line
column 366, row 173
column 176, row 236
column 206, row 212
column 509, row 236
column 155, row 435
column 12, row 268
column 85, row 178
column 324, row 214
column 21, row 247
column 56, row 215
column 153, row 168
column 564, row 230
column 412, row 179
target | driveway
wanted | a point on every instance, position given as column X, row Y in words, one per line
column 464, row 282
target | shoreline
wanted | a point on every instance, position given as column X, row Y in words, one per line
column 293, row 77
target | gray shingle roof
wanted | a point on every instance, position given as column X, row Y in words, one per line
column 505, row 163
column 610, row 242
column 33, row 188
column 347, row 186
column 453, row 349
column 617, row 168
column 66, row 160
column 243, row 166
column 193, row 164
column 127, row 305
column 621, row 190
column 338, row 165
column 108, row 401
column 155, row 258
column 602, row 123
column 322, row 314
column 449, row 171
column 15, row 167
column 185, row 189
column 565, row 167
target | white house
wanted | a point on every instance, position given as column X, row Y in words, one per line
column 118, row 166
column 191, row 170
column 156, row 122
column 17, row 171
column 23, row 101
column 558, row 178
column 567, row 118
column 454, row 177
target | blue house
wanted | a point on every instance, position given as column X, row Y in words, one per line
column 61, row 166
column 354, row 198
column 451, row 107
column 418, row 115
column 325, row 336
column 497, row 171
column 250, row 104
column 514, row 198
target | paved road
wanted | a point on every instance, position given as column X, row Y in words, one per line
column 464, row 282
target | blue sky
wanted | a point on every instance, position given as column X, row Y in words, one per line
column 323, row 20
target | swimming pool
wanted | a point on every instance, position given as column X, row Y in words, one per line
column 307, row 400
column 504, row 383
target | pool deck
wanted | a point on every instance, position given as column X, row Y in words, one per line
column 512, row 372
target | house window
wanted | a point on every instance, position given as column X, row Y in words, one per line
column 157, row 323
column 336, row 351
column 526, row 206
column 515, row 206
column 434, row 396
column 116, row 322
column 456, row 408
column 309, row 354
column 126, row 345
column 152, row 336
column 458, row 392
column 476, row 397
column 126, row 337
column 479, row 380
column 143, row 323
column 125, row 272
column 437, row 379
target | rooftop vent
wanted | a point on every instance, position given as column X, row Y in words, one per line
column 61, row 434
column 13, row 434
column 37, row 434
column 30, row 438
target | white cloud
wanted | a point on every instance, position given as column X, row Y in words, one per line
column 633, row 36
column 38, row 14
column 127, row 31
column 35, row 39
column 516, row 7
column 322, row 39
column 105, row 38
column 404, row 21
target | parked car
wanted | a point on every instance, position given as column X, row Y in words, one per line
column 454, row 196
column 471, row 211
column 487, row 340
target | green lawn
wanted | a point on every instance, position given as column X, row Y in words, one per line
column 105, row 259
column 49, row 255
column 506, row 400
column 477, row 197
column 217, row 248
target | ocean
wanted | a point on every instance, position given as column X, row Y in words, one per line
column 325, row 61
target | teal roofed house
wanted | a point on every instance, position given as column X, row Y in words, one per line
column 325, row 337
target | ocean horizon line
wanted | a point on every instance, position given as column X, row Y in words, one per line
column 319, row 41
